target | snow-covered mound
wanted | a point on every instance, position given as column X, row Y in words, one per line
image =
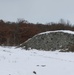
column 51, row 40
column 33, row 62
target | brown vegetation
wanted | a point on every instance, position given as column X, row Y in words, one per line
column 15, row 33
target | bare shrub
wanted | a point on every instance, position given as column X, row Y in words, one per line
column 71, row 48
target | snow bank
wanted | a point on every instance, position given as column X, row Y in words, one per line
column 51, row 40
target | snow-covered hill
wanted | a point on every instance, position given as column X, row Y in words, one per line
column 51, row 40
column 16, row 61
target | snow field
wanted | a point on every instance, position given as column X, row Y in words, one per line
column 16, row 61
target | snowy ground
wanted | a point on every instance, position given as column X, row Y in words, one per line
column 21, row 62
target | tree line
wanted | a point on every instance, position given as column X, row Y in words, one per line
column 15, row 33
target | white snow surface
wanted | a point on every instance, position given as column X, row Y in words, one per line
column 17, row 61
column 65, row 31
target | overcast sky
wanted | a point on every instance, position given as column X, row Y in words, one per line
column 42, row 11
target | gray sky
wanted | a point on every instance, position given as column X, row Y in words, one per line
column 42, row 11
